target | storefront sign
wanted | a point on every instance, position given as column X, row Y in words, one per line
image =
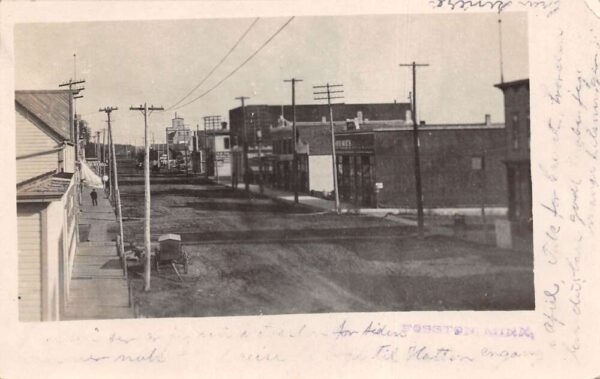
column 354, row 142
column 223, row 156
column 343, row 144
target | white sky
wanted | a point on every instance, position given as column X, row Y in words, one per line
column 126, row 63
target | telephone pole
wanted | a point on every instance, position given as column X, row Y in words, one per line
column 98, row 158
column 207, row 151
column 103, row 151
column 420, row 221
column 111, row 188
column 294, row 138
column 329, row 97
column 74, row 90
column 246, row 165
column 145, row 109
column 500, row 50
column 115, row 181
column 198, row 153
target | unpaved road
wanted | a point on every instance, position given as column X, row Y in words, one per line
column 255, row 256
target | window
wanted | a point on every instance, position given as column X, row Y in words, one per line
column 515, row 131
column 226, row 143
column 528, row 131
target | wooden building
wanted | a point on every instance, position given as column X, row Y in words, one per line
column 46, row 202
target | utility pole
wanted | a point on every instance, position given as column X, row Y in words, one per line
column 199, row 154
column 103, row 151
column 206, row 150
column 420, row 221
column 246, row 165
column 98, row 150
column 168, row 152
column 214, row 133
column 260, row 165
column 111, row 180
column 500, row 43
column 74, row 90
column 294, row 138
column 145, row 109
column 115, row 181
column 329, row 97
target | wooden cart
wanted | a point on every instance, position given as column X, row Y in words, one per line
column 171, row 252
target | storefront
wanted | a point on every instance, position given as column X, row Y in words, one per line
column 355, row 168
column 283, row 173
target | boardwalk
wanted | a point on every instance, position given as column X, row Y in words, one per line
column 98, row 287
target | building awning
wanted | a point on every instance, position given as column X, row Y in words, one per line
column 45, row 189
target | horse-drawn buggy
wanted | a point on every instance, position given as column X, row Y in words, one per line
column 170, row 252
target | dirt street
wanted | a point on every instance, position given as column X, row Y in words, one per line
column 255, row 256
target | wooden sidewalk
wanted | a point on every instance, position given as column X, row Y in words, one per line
column 99, row 289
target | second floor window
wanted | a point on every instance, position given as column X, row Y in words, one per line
column 515, row 131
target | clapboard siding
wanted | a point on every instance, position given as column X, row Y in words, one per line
column 29, row 232
column 53, row 255
column 32, row 140
column 69, row 159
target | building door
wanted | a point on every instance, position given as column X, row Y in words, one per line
column 519, row 192
column 355, row 179
column 287, row 178
column 368, row 195
column 344, row 178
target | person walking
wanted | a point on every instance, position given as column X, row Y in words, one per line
column 94, row 196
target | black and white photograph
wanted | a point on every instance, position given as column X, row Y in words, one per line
column 299, row 189
column 270, row 166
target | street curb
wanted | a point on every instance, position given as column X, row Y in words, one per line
column 277, row 199
column 298, row 205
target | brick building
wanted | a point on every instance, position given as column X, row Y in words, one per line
column 461, row 164
column 517, row 142
column 265, row 117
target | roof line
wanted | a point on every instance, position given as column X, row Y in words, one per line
column 513, row 83
column 35, row 179
column 41, row 90
column 52, row 133
column 317, row 104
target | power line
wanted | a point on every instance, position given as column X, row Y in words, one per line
column 217, row 65
column 240, row 66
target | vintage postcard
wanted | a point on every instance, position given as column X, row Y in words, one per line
column 294, row 189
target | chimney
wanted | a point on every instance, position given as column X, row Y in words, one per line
column 408, row 116
column 488, row 120
column 359, row 116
